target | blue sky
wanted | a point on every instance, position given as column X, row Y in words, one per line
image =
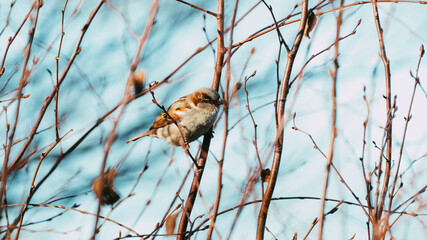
column 97, row 81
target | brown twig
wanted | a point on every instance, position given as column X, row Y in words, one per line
column 262, row 217
column 11, row 39
column 159, row 225
column 75, row 210
column 226, row 108
column 197, row 228
column 325, row 50
column 198, row 8
column 125, row 100
column 12, row 3
column 57, row 71
column 49, row 99
column 283, row 22
column 31, row 192
column 253, row 178
column 333, row 74
column 418, row 193
column 367, row 179
column 333, row 166
column 255, row 141
column 316, row 220
column 388, row 128
column 22, row 83
column 207, row 138
column 407, row 119
column 279, row 34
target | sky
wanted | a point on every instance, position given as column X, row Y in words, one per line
column 97, row 81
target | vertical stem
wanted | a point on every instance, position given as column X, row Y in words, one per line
column 380, row 205
column 225, row 106
column 407, row 119
column 57, row 72
column 334, row 121
column 262, row 217
column 207, row 138
column 22, row 83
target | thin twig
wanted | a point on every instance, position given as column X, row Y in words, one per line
column 198, row 8
column 333, row 166
column 76, row 210
column 159, row 225
column 279, row 34
column 255, row 141
column 295, row 198
column 407, row 119
column 57, row 71
column 226, row 108
column 22, row 83
column 11, row 39
column 125, row 100
column 324, row 50
column 367, row 179
column 333, row 74
column 207, row 137
column 262, row 217
column 282, row 22
column 48, row 100
column 316, row 220
column 31, row 192
column 376, row 231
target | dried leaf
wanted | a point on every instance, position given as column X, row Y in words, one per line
column 104, row 189
column 311, row 22
column 265, row 175
column 170, row 223
column 137, row 81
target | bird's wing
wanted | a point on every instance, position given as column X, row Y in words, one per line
column 176, row 110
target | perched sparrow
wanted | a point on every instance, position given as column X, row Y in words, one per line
column 195, row 114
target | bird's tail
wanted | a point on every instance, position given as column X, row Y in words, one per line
column 139, row 136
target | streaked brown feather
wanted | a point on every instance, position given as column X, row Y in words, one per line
column 175, row 111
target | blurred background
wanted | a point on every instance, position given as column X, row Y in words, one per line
column 150, row 172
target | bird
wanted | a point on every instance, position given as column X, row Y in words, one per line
column 195, row 113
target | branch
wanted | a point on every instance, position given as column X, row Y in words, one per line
column 207, row 138
column 262, row 217
column 333, row 74
column 225, row 107
column 124, row 101
column 48, row 99
column 32, row 190
column 198, row 8
column 388, row 128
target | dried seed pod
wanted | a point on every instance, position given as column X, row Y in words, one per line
column 104, row 190
column 311, row 22
column 265, row 175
